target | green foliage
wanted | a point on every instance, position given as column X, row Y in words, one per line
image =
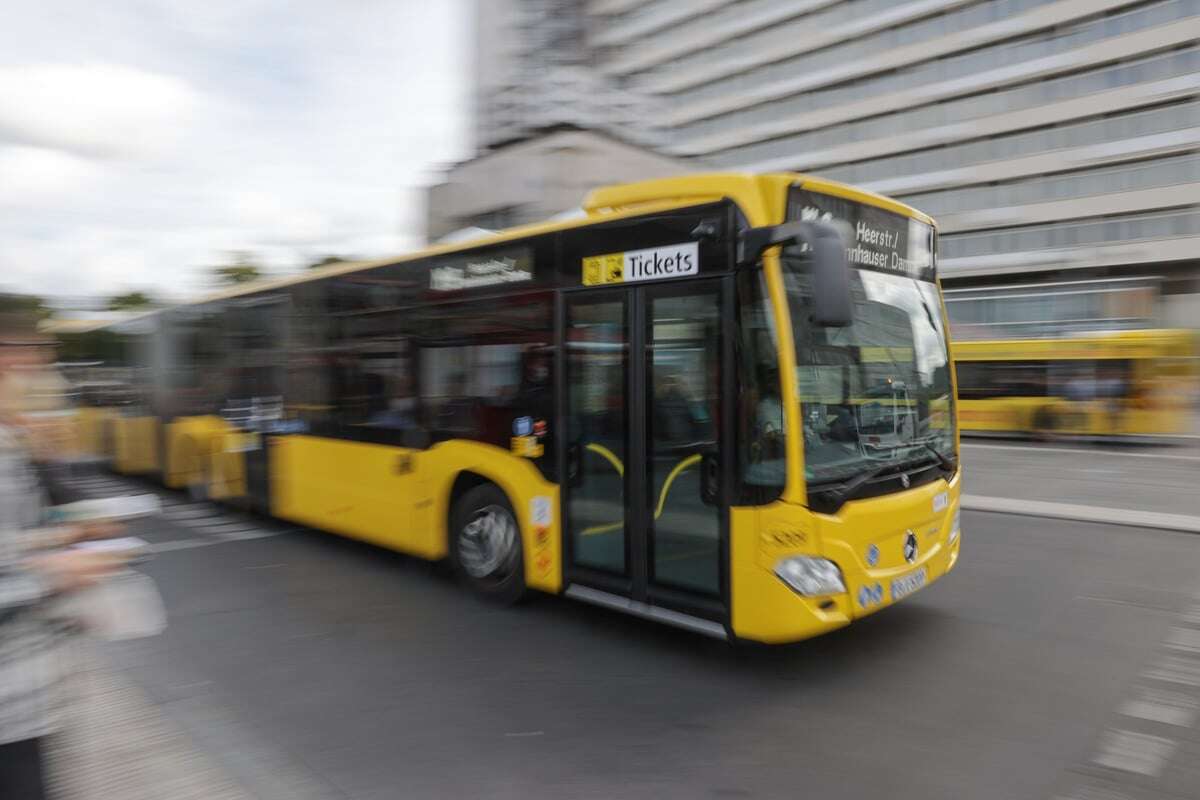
column 326, row 261
column 130, row 301
column 243, row 268
column 25, row 303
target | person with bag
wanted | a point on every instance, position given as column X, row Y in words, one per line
column 38, row 570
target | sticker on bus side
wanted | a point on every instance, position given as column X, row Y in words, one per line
column 654, row 263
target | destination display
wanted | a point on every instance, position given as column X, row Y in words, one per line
column 879, row 240
column 474, row 270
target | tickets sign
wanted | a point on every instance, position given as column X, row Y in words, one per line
column 651, row 264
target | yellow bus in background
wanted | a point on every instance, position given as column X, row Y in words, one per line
column 724, row 402
column 1117, row 384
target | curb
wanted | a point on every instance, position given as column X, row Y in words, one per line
column 1079, row 513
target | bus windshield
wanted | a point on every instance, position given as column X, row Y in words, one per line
column 876, row 394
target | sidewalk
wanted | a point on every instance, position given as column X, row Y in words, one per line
column 1145, row 487
column 118, row 746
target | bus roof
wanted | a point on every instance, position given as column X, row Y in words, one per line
column 762, row 197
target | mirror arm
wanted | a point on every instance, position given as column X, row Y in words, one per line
column 754, row 241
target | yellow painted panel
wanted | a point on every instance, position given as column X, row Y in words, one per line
column 765, row 609
column 227, row 464
column 190, row 443
column 1123, row 345
column 1071, row 417
column 355, row 489
column 92, row 423
column 135, row 441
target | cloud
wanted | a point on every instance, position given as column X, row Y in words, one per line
column 94, row 110
column 143, row 142
column 35, row 176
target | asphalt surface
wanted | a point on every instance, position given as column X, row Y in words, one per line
column 1059, row 659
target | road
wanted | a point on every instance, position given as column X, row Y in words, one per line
column 1059, row 660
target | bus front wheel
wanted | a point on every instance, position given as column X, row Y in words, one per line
column 485, row 549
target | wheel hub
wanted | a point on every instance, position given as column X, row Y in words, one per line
column 488, row 543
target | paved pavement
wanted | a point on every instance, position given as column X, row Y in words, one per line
column 1158, row 480
column 1059, row 660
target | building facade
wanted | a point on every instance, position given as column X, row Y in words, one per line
column 535, row 178
column 533, row 71
column 1053, row 139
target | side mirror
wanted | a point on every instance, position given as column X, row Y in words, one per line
column 832, row 306
column 821, row 242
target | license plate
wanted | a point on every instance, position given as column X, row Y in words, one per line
column 906, row 585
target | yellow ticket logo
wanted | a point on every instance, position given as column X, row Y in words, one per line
column 602, row 269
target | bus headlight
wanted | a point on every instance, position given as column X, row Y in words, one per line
column 956, row 525
column 811, row 577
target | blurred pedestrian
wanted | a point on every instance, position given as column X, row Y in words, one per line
column 36, row 399
column 37, row 570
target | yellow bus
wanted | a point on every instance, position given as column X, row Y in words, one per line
column 724, row 402
column 1118, row 384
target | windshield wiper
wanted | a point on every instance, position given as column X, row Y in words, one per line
column 948, row 464
column 839, row 493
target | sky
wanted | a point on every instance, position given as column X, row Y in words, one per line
column 143, row 142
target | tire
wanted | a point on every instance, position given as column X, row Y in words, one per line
column 485, row 544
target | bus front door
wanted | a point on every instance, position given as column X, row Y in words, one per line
column 645, row 509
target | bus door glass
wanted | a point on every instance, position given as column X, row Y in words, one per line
column 644, row 370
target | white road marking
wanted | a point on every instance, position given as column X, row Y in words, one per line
column 520, row 734
column 241, row 536
column 1075, row 451
column 1186, row 639
column 1175, row 669
column 1134, row 752
column 184, row 544
column 1156, row 705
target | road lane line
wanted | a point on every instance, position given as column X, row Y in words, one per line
column 1169, row 708
column 1175, row 669
column 1076, row 451
column 1082, row 513
column 1185, row 639
column 1134, row 752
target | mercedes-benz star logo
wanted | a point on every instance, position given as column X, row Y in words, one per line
column 910, row 546
column 904, row 480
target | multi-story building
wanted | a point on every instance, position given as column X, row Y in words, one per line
column 532, row 72
column 1047, row 136
column 1053, row 139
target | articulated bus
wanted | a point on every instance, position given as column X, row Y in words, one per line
column 1106, row 384
column 724, row 402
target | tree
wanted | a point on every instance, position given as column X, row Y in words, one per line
column 243, row 269
column 25, row 303
column 326, row 261
column 130, row 301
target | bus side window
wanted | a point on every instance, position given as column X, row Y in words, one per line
column 483, row 364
